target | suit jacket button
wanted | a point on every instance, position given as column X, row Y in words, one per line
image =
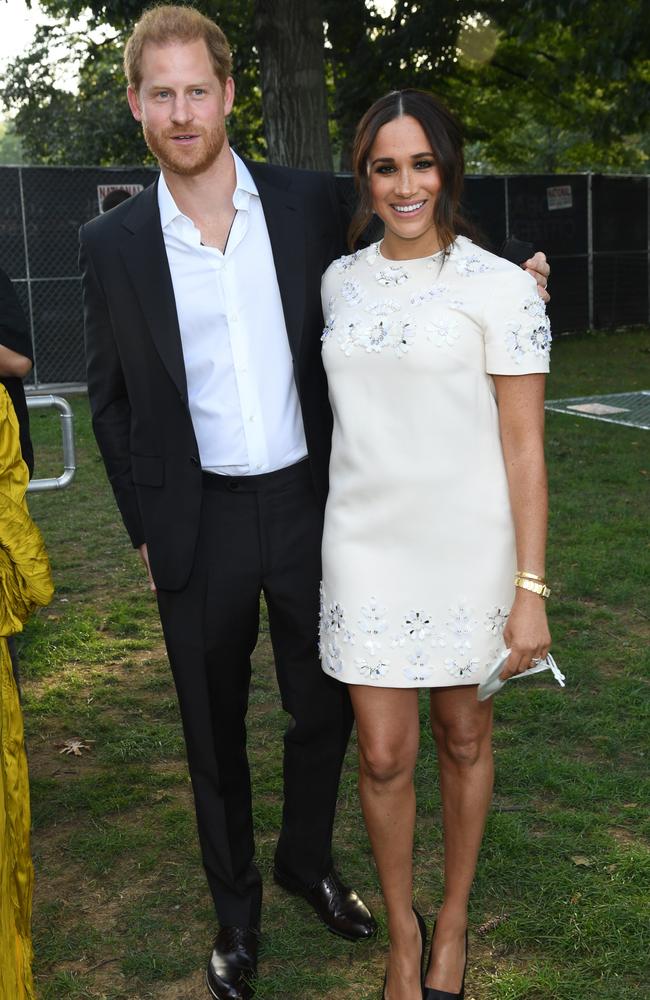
column 194, row 460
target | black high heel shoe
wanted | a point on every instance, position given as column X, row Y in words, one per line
column 433, row 994
column 423, row 935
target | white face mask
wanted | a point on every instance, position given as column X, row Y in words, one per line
column 494, row 683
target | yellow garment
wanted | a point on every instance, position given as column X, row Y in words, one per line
column 25, row 582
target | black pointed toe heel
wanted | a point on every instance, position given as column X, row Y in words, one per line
column 433, row 994
column 423, row 935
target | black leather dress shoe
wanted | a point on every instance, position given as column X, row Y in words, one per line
column 233, row 963
column 340, row 908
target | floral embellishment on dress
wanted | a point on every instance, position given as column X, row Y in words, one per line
column 346, row 262
column 329, row 327
column 467, row 266
column 461, row 621
column 331, row 658
column 376, row 338
column 386, row 332
column 347, row 338
column 383, row 307
column 415, row 675
column 495, row 620
column 532, row 334
column 514, row 343
column 540, row 331
column 392, row 275
column 430, row 295
column 352, row 292
column 439, row 638
column 372, row 670
column 404, row 337
column 419, row 669
column 417, row 625
column 461, row 666
column 373, row 624
column 534, row 307
column 540, row 339
column 332, row 620
column 372, row 254
column 443, row 334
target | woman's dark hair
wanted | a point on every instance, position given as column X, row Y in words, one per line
column 445, row 136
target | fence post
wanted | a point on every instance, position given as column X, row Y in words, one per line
column 28, row 275
column 590, row 250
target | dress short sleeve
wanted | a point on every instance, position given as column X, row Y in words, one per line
column 516, row 328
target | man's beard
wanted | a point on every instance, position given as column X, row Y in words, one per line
column 187, row 163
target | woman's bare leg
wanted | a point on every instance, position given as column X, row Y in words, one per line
column 462, row 729
column 388, row 733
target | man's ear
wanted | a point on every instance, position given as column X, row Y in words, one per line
column 228, row 95
column 134, row 104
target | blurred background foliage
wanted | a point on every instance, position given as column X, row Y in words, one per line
column 541, row 85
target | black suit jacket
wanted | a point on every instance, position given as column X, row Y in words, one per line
column 136, row 376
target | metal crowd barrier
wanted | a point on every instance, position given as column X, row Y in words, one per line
column 67, row 436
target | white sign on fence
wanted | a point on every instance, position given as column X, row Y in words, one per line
column 559, row 197
column 105, row 189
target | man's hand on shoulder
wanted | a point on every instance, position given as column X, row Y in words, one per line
column 540, row 269
column 144, row 555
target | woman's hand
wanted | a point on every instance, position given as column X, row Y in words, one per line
column 526, row 634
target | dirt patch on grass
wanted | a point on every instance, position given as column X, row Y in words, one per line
column 626, row 838
column 191, row 988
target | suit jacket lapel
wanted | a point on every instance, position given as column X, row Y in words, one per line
column 285, row 223
column 143, row 250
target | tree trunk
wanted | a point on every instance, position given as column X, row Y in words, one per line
column 290, row 41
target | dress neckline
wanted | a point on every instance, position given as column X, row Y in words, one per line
column 413, row 260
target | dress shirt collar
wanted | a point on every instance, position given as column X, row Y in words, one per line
column 244, row 188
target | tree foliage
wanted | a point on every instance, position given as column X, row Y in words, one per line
column 11, row 150
column 542, row 85
column 566, row 89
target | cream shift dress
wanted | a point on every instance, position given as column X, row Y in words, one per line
column 418, row 543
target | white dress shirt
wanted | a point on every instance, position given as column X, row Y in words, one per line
column 242, row 395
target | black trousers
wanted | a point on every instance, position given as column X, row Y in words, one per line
column 257, row 534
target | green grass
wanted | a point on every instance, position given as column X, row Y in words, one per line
column 122, row 911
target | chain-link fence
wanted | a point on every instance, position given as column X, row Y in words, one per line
column 594, row 228
column 42, row 209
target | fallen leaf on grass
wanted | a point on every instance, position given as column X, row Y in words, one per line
column 581, row 861
column 75, row 746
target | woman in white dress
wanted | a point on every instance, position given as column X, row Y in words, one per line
column 435, row 352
